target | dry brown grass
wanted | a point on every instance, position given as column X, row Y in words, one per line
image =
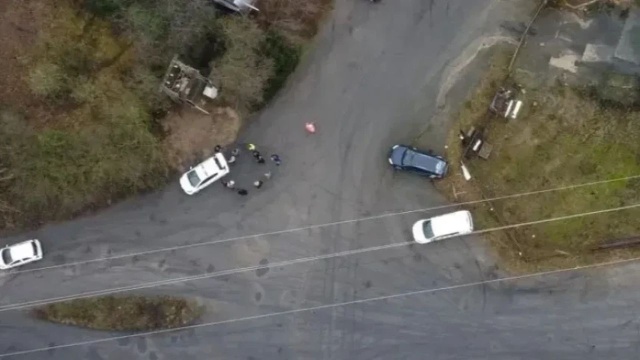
column 297, row 20
column 193, row 134
column 21, row 23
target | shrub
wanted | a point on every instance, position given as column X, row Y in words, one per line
column 242, row 72
column 285, row 56
column 297, row 20
column 126, row 313
column 49, row 80
column 105, row 8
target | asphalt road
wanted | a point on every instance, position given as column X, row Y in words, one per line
column 377, row 76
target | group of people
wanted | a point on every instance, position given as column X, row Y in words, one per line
column 235, row 153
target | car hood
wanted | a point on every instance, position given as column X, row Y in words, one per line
column 418, row 232
column 186, row 185
column 396, row 155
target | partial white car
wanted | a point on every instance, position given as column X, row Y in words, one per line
column 20, row 254
column 242, row 6
column 442, row 226
column 204, row 174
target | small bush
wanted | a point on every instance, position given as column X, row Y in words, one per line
column 285, row 56
column 49, row 80
column 105, row 8
column 127, row 313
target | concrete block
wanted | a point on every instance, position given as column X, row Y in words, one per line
column 628, row 48
column 594, row 53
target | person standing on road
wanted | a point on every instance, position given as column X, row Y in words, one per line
column 276, row 159
column 258, row 184
column 228, row 184
column 267, row 175
column 235, row 152
column 251, row 147
column 256, row 154
column 217, row 149
column 260, row 159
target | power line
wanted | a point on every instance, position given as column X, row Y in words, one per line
column 324, row 307
column 319, row 226
column 103, row 292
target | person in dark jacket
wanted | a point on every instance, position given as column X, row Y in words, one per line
column 276, row 159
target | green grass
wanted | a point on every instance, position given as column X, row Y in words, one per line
column 568, row 137
column 127, row 313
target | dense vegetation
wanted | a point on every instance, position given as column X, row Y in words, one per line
column 93, row 130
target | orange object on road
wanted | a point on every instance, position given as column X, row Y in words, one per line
column 310, row 127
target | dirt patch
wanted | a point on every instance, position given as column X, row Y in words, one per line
column 193, row 134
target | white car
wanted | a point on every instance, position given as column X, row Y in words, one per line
column 237, row 5
column 204, row 174
column 20, row 254
column 442, row 226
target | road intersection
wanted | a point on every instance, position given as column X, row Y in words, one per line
column 374, row 77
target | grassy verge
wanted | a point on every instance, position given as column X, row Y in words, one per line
column 127, row 313
column 563, row 136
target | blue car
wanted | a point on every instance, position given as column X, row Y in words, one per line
column 408, row 158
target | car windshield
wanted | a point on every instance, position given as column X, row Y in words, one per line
column 6, row 257
column 428, row 231
column 193, row 178
column 218, row 163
